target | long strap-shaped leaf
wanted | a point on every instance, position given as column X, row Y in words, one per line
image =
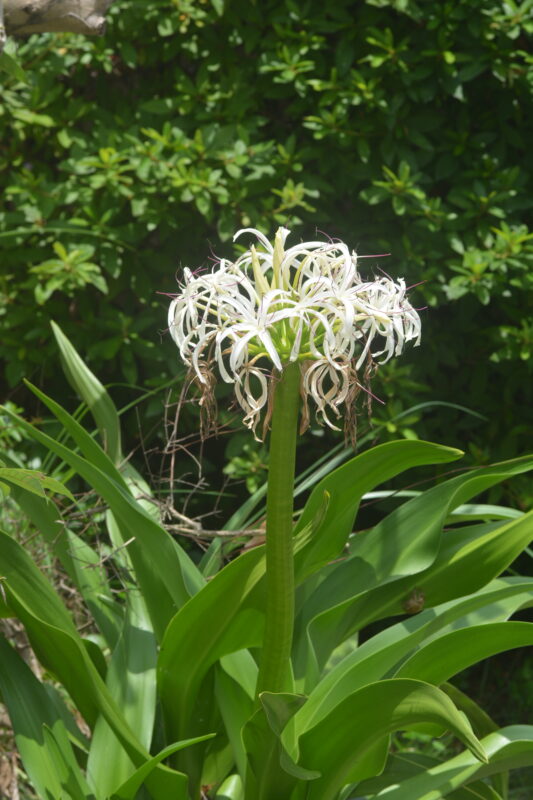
column 405, row 765
column 381, row 654
column 346, row 486
column 376, row 578
column 407, row 540
column 87, row 444
column 93, row 392
column 270, row 771
column 226, row 616
column 166, row 575
column 444, row 657
column 78, row 559
column 236, row 679
column 129, row 479
column 62, row 651
column 131, row 682
column 31, row 712
column 337, row 745
column 468, row 560
column 507, row 749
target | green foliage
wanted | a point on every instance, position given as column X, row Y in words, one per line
column 9, row 64
column 246, row 462
column 400, row 127
column 66, row 273
column 433, row 564
column 31, row 481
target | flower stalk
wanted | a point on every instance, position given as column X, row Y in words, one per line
column 274, row 668
column 279, row 323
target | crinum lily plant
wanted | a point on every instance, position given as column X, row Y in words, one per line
column 244, row 678
column 301, row 322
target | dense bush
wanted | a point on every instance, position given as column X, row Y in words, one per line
column 399, row 126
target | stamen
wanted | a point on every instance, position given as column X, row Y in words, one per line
column 379, row 255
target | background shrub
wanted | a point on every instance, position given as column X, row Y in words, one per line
column 399, row 127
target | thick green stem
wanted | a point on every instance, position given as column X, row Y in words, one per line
column 274, row 669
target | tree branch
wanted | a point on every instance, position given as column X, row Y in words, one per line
column 55, row 16
column 2, row 28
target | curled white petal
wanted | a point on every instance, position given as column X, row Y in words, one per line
column 260, row 236
column 250, row 403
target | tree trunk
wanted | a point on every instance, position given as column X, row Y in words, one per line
column 55, row 16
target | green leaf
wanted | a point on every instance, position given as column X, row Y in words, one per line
column 227, row 615
column 470, row 512
column 445, row 566
column 165, row 572
column 33, row 481
column 472, row 556
column 128, row 790
column 507, row 749
column 404, row 765
column 32, row 118
column 131, row 683
column 93, row 393
column 444, row 657
column 212, row 559
column 81, row 563
column 336, row 744
column 270, row 771
column 29, row 588
column 62, row 651
column 40, row 733
column 88, row 574
column 380, row 655
column 231, row 789
column 92, row 451
column 66, row 768
column 12, row 67
column 347, row 484
column 76, row 737
column 235, row 682
column 482, row 725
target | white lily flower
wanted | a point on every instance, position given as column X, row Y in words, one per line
column 273, row 307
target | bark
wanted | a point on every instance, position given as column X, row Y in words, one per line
column 55, row 16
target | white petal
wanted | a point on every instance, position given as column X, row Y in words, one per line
column 261, row 236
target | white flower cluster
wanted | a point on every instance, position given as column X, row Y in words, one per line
column 307, row 304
